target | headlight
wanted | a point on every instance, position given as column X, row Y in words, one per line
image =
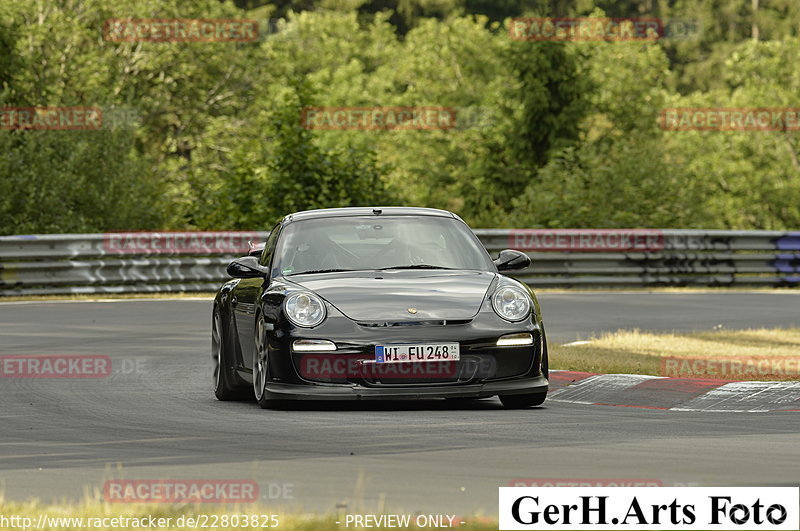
column 304, row 309
column 512, row 304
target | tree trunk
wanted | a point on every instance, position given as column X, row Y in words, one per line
column 754, row 23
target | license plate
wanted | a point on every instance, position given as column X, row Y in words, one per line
column 417, row 353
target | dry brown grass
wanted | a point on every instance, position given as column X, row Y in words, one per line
column 637, row 352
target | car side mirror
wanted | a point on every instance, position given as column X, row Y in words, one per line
column 246, row 267
column 511, row 260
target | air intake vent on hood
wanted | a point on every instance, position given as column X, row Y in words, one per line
column 415, row 322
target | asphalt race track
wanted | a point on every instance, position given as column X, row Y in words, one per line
column 155, row 417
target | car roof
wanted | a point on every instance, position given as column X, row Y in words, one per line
column 367, row 211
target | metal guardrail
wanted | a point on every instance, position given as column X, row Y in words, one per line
column 195, row 261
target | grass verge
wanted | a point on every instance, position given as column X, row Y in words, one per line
column 756, row 354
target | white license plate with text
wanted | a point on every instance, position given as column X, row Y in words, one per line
column 417, row 353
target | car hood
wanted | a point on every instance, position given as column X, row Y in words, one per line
column 389, row 295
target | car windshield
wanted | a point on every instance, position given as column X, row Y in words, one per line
column 378, row 242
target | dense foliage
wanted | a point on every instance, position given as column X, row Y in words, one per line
column 207, row 135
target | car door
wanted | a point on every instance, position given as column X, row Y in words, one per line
column 244, row 300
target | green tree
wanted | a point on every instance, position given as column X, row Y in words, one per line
column 77, row 181
column 623, row 172
column 278, row 168
column 751, row 179
column 175, row 88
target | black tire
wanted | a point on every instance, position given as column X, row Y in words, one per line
column 531, row 399
column 545, row 356
column 225, row 387
column 261, row 365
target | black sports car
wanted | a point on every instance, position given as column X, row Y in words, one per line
column 366, row 303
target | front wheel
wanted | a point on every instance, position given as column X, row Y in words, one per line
column 224, row 381
column 532, row 399
column 261, row 365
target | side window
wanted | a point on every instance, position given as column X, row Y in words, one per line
column 269, row 247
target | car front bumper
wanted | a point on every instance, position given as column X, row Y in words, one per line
column 282, row 391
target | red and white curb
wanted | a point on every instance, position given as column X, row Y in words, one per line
column 673, row 394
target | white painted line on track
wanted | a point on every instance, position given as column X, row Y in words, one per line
column 575, row 343
column 599, row 388
column 749, row 397
column 25, row 456
column 102, row 443
column 721, row 410
column 731, row 397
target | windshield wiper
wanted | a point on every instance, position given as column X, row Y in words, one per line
column 313, row 271
column 415, row 266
